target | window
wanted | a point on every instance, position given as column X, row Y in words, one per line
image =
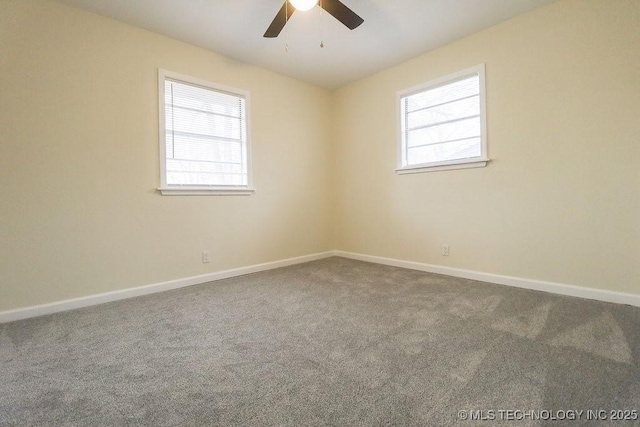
column 442, row 124
column 204, row 144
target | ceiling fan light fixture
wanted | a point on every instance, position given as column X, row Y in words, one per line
column 303, row 5
column 335, row 8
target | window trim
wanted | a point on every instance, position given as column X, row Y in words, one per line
column 199, row 190
column 471, row 162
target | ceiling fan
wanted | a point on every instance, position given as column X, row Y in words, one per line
column 334, row 7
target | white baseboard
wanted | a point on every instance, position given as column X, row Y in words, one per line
column 538, row 285
column 70, row 304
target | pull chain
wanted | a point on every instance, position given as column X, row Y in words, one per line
column 321, row 25
column 286, row 27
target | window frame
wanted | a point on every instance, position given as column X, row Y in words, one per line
column 199, row 190
column 471, row 162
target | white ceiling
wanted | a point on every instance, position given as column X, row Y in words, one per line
column 393, row 31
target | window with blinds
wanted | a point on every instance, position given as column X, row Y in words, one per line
column 204, row 140
column 442, row 122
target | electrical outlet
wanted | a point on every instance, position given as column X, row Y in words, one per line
column 444, row 249
column 205, row 257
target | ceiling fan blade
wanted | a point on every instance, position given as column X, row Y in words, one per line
column 280, row 20
column 342, row 13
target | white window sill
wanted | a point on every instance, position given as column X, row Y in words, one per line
column 205, row 191
column 442, row 167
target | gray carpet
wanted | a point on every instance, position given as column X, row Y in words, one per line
column 331, row 342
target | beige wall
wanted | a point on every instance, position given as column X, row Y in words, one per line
column 79, row 213
column 560, row 200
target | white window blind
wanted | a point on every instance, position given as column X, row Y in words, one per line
column 205, row 137
column 442, row 123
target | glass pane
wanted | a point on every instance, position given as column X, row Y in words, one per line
column 446, row 112
column 194, row 97
column 442, row 152
column 185, row 147
column 184, row 172
column 203, row 123
column 200, row 178
column 468, row 86
column 446, row 132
